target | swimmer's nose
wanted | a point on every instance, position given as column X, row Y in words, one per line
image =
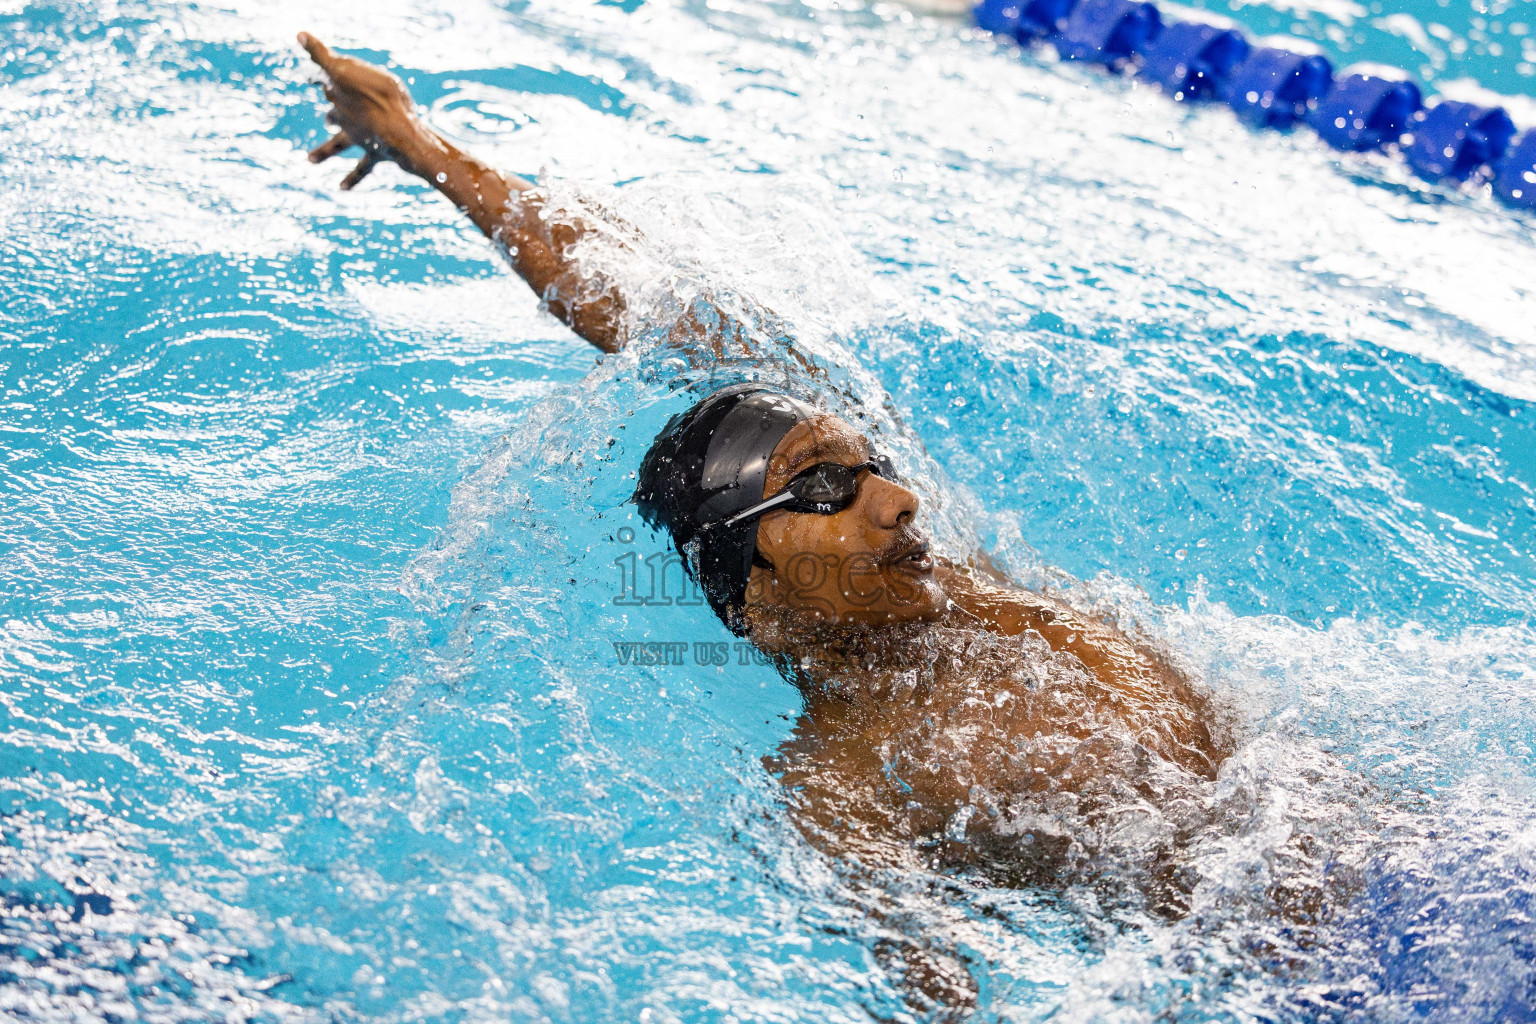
column 890, row 504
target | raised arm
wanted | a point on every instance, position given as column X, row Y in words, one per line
column 374, row 110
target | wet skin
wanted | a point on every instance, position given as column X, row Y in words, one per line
column 835, row 590
column 869, row 566
column 878, row 571
column 881, row 765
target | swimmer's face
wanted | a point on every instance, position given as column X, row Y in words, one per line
column 868, row 564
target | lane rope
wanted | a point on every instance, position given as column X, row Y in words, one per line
column 1366, row 107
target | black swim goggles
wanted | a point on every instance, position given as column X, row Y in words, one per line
column 824, row 489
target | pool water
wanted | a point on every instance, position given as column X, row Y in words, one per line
column 314, row 526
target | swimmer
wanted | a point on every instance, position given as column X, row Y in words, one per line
column 952, row 719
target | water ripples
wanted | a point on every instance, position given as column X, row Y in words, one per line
column 309, row 518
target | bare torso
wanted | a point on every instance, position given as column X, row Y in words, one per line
column 1015, row 736
column 987, row 736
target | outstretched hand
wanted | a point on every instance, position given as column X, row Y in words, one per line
column 371, row 107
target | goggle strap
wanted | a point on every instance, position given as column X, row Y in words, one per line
column 778, row 501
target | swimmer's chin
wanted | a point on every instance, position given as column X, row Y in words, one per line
column 913, row 595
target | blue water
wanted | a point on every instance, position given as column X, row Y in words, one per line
column 309, row 517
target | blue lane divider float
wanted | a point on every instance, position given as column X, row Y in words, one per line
column 1514, row 180
column 1025, row 20
column 1451, row 140
column 1270, row 86
column 1365, row 111
column 1108, row 32
column 1275, row 88
column 1188, row 60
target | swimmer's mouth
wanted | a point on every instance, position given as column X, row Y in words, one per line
column 912, row 558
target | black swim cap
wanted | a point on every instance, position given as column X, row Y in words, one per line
column 706, row 465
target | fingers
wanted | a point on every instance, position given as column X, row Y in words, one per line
column 359, row 172
column 318, row 51
column 322, row 55
column 330, row 147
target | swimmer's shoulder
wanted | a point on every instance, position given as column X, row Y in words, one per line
column 981, row 595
